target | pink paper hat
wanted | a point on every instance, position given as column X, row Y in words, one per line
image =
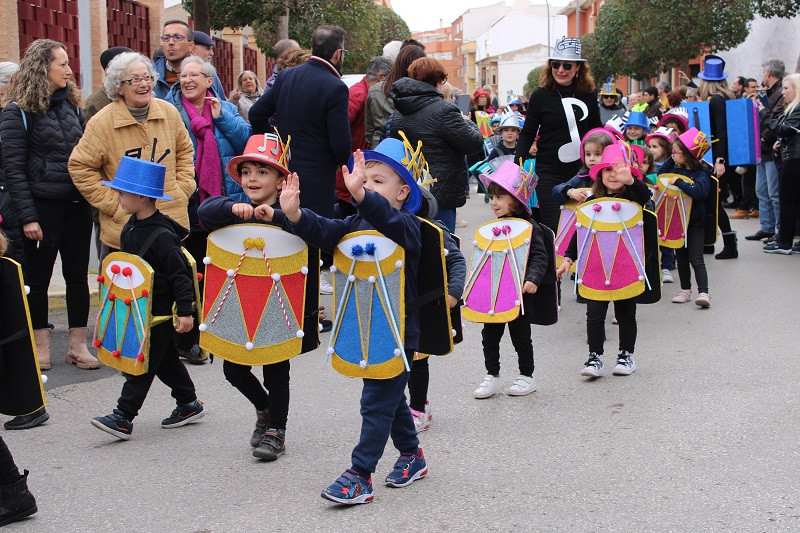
column 611, row 135
column 663, row 132
column 519, row 183
column 612, row 154
column 678, row 113
column 696, row 141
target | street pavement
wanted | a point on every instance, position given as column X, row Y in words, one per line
column 703, row 437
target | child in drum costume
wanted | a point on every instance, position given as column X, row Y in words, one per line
column 139, row 188
column 387, row 197
column 614, row 178
column 261, row 175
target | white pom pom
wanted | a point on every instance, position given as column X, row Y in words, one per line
column 640, row 223
column 319, row 327
column 474, row 243
column 206, row 260
column 276, row 276
column 398, row 264
column 397, row 352
column 505, row 252
column 453, row 331
column 608, row 282
column 231, row 273
column 202, row 327
column 27, row 290
column 562, row 207
column 578, row 281
column 362, row 364
column 351, row 278
column 491, row 312
column 371, row 279
column 300, row 334
column 320, row 262
column 527, row 241
column 619, row 232
column 330, row 350
column 446, row 252
column 641, row 278
column 489, row 253
column 304, row 270
column 594, row 231
column 44, row 378
column 659, row 232
column 578, row 225
column 516, row 302
column 333, row 268
column 249, row 346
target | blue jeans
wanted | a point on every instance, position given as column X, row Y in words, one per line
column 384, row 413
column 448, row 218
column 667, row 258
column 767, row 186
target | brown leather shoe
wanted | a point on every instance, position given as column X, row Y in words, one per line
column 754, row 213
column 741, row 213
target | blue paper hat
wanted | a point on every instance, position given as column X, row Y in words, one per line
column 402, row 160
column 495, row 119
column 139, row 177
column 713, row 69
column 637, row 118
column 515, row 101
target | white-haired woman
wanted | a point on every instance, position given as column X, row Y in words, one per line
column 246, row 93
column 138, row 125
column 39, row 131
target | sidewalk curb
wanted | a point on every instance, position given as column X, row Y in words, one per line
column 58, row 299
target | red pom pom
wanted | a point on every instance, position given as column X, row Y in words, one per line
column 145, row 292
column 111, row 296
column 127, row 301
column 97, row 343
column 199, row 276
column 140, row 357
column 115, row 268
column 127, row 271
column 116, row 353
column 101, row 278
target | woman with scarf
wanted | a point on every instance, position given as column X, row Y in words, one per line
column 246, row 93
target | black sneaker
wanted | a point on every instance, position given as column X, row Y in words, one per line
column 759, row 236
column 777, row 248
column 325, row 326
column 193, row 356
column 796, row 247
column 272, row 446
column 36, row 418
column 116, row 424
column 262, row 418
column 184, row 414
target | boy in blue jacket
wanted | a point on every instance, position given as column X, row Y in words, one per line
column 386, row 197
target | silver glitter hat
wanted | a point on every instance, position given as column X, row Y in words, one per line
column 567, row 49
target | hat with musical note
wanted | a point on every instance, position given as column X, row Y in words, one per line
column 567, row 49
column 268, row 149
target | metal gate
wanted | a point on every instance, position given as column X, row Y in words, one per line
column 250, row 59
column 128, row 25
column 223, row 61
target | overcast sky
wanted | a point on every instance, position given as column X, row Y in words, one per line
column 423, row 15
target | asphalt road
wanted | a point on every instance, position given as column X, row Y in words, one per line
column 703, row 437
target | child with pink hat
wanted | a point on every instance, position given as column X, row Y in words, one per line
column 509, row 189
column 613, row 178
column 592, row 146
column 687, row 160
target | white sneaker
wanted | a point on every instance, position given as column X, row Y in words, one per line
column 683, row 296
column 625, row 364
column 325, row 286
column 593, row 368
column 422, row 420
column 703, row 300
column 490, row 386
column 524, row 385
column 666, row 276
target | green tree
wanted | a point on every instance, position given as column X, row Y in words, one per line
column 776, row 8
column 533, row 82
column 630, row 40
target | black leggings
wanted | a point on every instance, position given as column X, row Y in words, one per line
column 692, row 254
column 520, row 331
column 276, row 381
column 548, row 207
column 66, row 230
column 8, row 469
column 624, row 311
column 418, row 380
column 789, row 195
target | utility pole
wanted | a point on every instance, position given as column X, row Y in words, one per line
column 577, row 19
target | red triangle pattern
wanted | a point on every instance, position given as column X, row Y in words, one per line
column 214, row 280
column 254, row 292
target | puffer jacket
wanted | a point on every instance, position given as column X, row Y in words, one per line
column 422, row 114
column 231, row 132
column 785, row 128
column 113, row 133
column 8, row 218
column 35, row 159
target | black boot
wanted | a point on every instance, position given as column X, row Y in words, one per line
column 15, row 501
column 729, row 251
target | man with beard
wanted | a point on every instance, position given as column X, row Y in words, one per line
column 177, row 42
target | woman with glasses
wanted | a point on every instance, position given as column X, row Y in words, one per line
column 138, row 125
column 610, row 106
column 40, row 127
column 560, row 112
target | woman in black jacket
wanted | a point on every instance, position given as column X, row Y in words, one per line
column 447, row 136
column 8, row 218
column 561, row 111
column 40, row 125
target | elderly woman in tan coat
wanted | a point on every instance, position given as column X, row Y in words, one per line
column 138, row 125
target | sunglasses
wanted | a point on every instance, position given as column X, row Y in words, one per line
column 609, row 96
column 558, row 64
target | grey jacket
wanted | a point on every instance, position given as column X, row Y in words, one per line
column 377, row 112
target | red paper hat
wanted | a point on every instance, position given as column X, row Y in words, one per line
column 268, row 149
column 478, row 93
column 696, row 142
column 616, row 152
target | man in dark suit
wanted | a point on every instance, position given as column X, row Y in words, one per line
column 309, row 103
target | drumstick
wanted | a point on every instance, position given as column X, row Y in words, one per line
column 103, row 303
column 596, row 208
column 479, row 263
column 518, row 279
column 370, row 250
column 684, row 222
column 356, row 251
column 277, row 291
column 633, row 246
column 138, row 316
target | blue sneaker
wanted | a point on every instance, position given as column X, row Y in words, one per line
column 349, row 489
column 407, row 469
column 184, row 414
column 115, row 424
